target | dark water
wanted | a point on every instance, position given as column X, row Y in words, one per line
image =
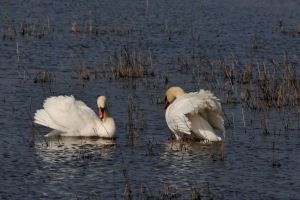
column 165, row 34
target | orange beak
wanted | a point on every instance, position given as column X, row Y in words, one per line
column 167, row 103
column 101, row 113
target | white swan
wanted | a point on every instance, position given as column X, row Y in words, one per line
column 74, row 118
column 193, row 115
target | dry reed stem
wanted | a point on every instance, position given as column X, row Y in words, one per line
column 142, row 194
column 195, row 192
column 84, row 72
column 135, row 123
column 275, row 162
column 127, row 192
column 42, row 76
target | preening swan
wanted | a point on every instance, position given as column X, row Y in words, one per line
column 74, row 118
column 193, row 115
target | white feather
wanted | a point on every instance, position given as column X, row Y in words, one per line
column 73, row 118
column 196, row 113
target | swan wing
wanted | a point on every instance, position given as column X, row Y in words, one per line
column 203, row 103
column 176, row 119
column 67, row 113
column 207, row 105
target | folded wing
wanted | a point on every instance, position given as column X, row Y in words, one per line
column 203, row 103
column 64, row 113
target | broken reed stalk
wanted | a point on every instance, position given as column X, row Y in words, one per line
column 195, row 192
column 131, row 130
column 149, row 148
column 129, row 65
column 127, row 192
column 84, row 72
column 142, row 192
column 135, row 121
column 281, row 26
column 244, row 122
column 264, row 127
column 43, row 76
column 31, row 140
column 222, row 151
column 298, row 29
column 147, row 6
column 90, row 23
column 275, row 162
column 298, row 114
column 169, row 192
column 18, row 52
column 74, row 27
column 36, row 30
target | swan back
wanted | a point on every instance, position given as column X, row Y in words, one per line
column 195, row 112
column 74, row 118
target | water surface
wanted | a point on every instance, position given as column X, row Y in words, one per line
column 165, row 35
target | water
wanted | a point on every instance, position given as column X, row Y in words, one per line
column 162, row 33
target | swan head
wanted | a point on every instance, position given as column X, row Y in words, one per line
column 101, row 106
column 171, row 94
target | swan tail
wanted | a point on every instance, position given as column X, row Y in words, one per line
column 203, row 129
column 41, row 117
column 53, row 134
column 210, row 135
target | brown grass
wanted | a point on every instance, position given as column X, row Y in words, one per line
column 135, row 121
column 9, row 32
column 43, row 76
column 37, row 30
column 84, row 72
column 195, row 192
column 127, row 192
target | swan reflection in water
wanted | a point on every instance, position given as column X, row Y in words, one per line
column 214, row 150
column 70, row 148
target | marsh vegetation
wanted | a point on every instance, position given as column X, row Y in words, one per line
column 132, row 51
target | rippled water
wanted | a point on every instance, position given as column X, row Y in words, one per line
column 164, row 34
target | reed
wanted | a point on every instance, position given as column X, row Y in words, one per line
column 272, row 85
column 254, row 45
column 18, row 52
column 9, row 33
column 264, row 127
column 281, row 26
column 135, row 121
column 182, row 61
column 142, row 194
column 43, row 76
column 170, row 193
column 150, row 147
column 195, row 192
column 165, row 29
column 275, row 162
column 247, row 74
column 84, row 154
column 32, row 135
column 222, row 156
column 227, row 71
column 84, row 72
column 37, row 30
column 128, row 65
column 127, row 194
column 74, row 27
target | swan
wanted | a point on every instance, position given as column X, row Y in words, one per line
column 70, row 117
column 193, row 115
